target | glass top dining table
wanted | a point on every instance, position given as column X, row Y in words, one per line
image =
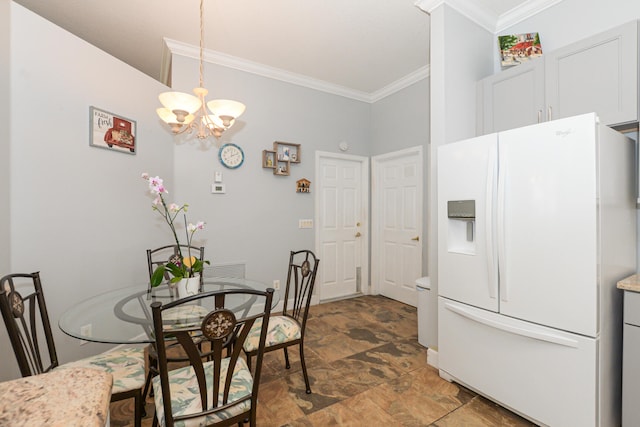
column 123, row 316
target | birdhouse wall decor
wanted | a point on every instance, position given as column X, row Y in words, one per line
column 303, row 185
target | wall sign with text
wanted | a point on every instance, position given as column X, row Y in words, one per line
column 112, row 131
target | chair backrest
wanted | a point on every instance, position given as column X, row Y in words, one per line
column 165, row 254
column 301, row 278
column 25, row 315
column 226, row 331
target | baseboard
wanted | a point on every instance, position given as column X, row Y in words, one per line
column 432, row 357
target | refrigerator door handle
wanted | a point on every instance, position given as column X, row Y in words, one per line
column 500, row 218
column 489, row 222
column 529, row 333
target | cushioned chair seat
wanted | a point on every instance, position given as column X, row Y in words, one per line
column 126, row 365
column 185, row 393
column 281, row 329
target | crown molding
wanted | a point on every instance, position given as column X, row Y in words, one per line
column 179, row 48
column 420, row 74
column 522, row 12
column 219, row 58
column 428, row 5
column 488, row 20
column 472, row 10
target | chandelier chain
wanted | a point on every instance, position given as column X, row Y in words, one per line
column 201, row 43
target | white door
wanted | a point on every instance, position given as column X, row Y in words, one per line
column 342, row 224
column 548, row 230
column 397, row 223
column 467, row 255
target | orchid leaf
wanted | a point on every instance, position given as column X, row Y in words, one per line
column 157, row 276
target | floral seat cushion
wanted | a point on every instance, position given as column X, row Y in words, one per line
column 185, row 393
column 127, row 366
column 281, row 329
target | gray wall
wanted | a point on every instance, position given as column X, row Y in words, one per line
column 256, row 221
column 5, row 131
column 5, row 134
column 80, row 215
column 401, row 120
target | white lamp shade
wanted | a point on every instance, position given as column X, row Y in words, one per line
column 168, row 117
column 226, row 107
column 179, row 101
column 213, row 121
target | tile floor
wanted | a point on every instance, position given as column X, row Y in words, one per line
column 366, row 369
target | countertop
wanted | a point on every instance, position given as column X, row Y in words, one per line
column 63, row 397
column 631, row 283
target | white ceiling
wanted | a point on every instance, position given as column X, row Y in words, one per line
column 361, row 45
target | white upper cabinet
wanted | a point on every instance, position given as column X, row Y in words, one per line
column 514, row 98
column 598, row 74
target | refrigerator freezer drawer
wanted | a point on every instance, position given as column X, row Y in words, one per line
column 546, row 375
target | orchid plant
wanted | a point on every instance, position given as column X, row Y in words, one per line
column 180, row 267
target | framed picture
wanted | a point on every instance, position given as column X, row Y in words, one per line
column 286, row 151
column 282, row 168
column 112, row 131
column 268, row 159
column 518, row 48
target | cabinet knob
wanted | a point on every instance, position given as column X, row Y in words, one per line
column 358, row 234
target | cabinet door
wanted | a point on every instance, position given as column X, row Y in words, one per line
column 599, row 74
column 631, row 376
column 514, row 98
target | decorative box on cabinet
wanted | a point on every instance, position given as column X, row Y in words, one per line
column 598, row 74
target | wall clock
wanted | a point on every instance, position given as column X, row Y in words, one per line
column 231, row 156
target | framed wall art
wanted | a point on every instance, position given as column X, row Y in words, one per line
column 286, row 151
column 112, row 131
column 518, row 48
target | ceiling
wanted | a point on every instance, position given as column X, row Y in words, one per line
column 360, row 45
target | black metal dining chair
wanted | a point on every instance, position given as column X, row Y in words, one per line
column 165, row 254
column 223, row 390
column 156, row 257
column 25, row 317
column 287, row 329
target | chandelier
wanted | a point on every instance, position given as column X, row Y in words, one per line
column 187, row 113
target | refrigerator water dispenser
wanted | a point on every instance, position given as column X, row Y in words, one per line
column 462, row 224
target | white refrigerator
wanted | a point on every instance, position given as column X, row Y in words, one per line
column 535, row 227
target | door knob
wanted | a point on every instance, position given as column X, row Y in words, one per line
column 417, row 238
column 358, row 234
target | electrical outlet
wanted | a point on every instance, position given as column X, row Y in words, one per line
column 276, row 284
column 86, row 331
column 305, row 223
